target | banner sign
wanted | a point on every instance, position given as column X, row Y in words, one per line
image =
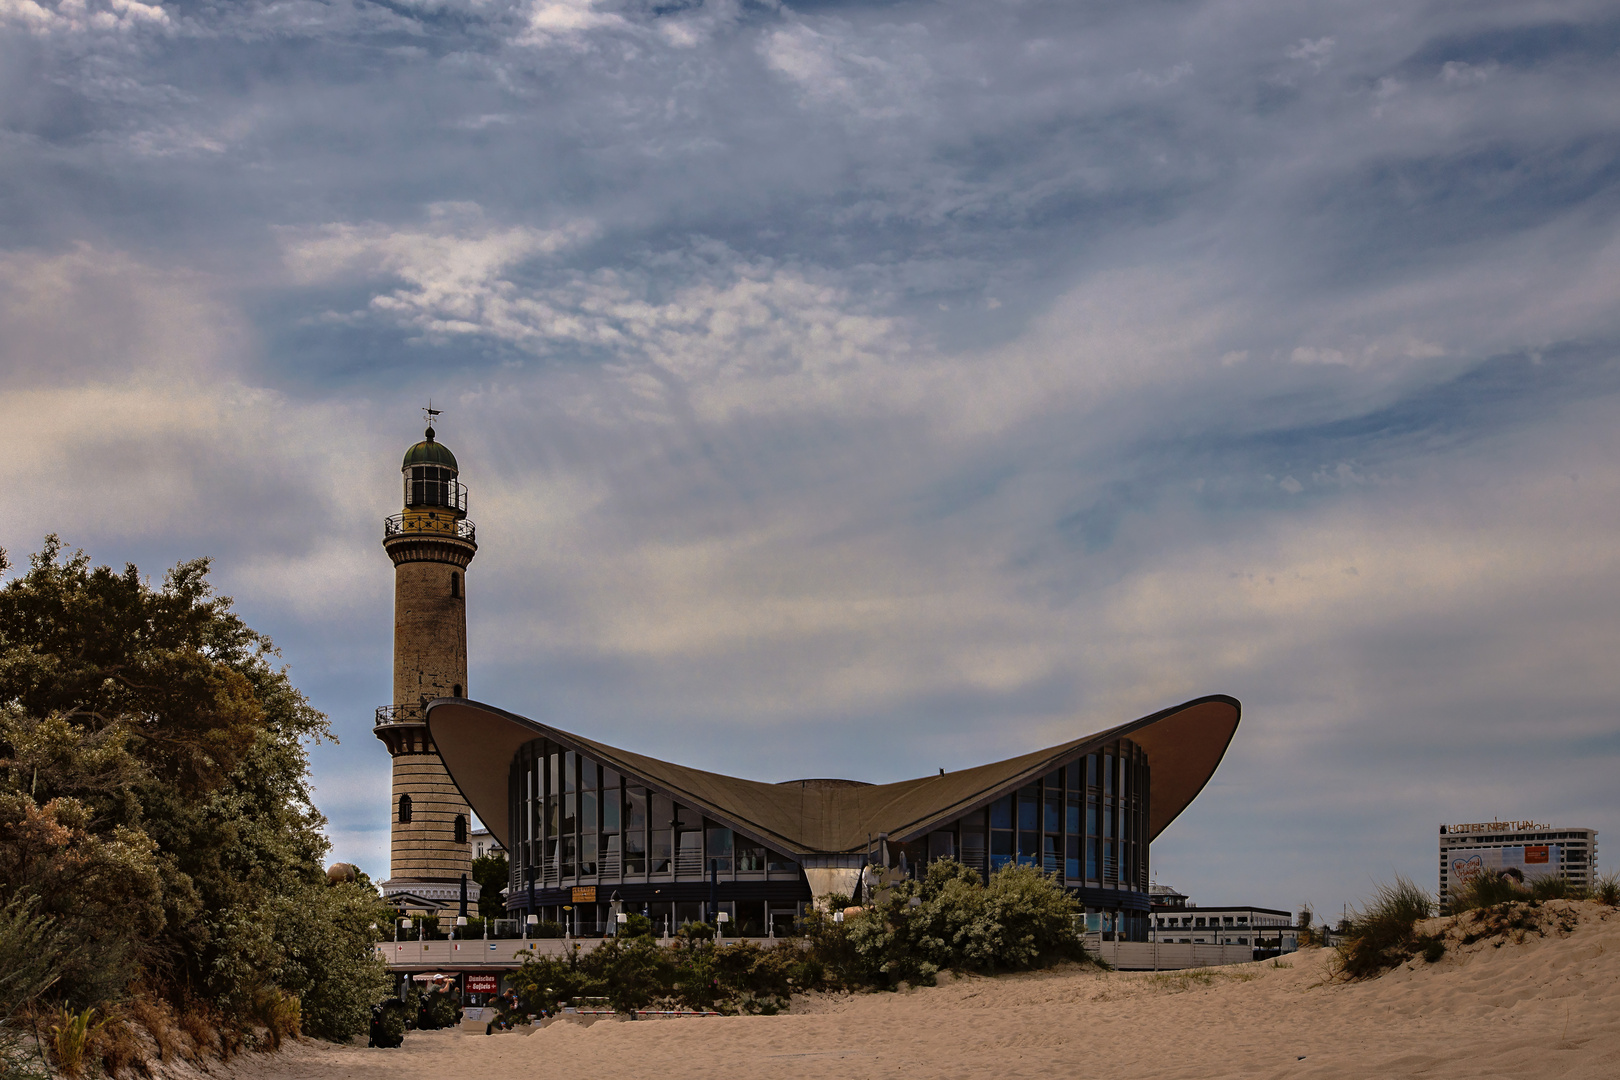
column 482, row 984
column 1526, row 863
column 584, row 894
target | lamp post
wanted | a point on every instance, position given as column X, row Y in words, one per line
column 529, row 920
column 461, row 921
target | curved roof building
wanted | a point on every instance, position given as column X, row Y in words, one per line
column 588, row 825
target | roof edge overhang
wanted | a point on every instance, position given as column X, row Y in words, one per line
column 482, row 739
column 1184, row 744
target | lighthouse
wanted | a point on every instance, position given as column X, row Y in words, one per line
column 431, row 544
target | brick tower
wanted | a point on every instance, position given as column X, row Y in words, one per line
column 431, row 544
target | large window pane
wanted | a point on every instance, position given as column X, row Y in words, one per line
column 779, row 863
column 1072, row 821
column 570, row 771
column 1028, row 812
column 1108, row 774
column 1029, row 846
column 1001, row 849
column 1054, row 815
column 635, row 809
column 587, row 856
column 570, row 818
column 587, row 774
column 587, row 811
column 661, row 855
column 1001, row 813
column 610, row 811
column 569, row 851
column 720, row 841
column 1091, row 859
column 750, row 858
column 635, row 853
column 1071, row 857
column 663, row 812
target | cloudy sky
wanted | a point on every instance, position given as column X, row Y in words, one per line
column 859, row 389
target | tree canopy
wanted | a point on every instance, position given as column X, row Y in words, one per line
column 155, row 807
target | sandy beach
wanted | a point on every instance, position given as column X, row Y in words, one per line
column 1520, row 1005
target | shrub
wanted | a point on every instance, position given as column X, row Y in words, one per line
column 546, row 928
column 1607, row 889
column 1433, row 949
column 950, row 919
column 1381, row 936
column 636, row 926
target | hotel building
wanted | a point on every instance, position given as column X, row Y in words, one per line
column 1522, row 849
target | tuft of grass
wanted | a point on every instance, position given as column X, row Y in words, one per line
column 202, row 1032
column 158, row 1020
column 1607, row 889
column 1381, row 935
column 1433, row 949
column 70, row 1038
column 280, row 1013
column 1487, row 890
column 118, row 1048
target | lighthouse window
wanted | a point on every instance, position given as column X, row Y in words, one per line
column 461, row 828
column 404, row 809
column 455, row 691
column 455, row 588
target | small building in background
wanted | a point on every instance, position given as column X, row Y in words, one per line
column 1177, row 920
column 484, row 844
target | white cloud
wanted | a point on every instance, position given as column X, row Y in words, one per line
column 79, row 16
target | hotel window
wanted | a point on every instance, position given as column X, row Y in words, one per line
column 778, row 863
column 1053, row 806
column 1029, row 837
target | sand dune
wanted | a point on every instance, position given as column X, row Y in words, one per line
column 1523, row 1004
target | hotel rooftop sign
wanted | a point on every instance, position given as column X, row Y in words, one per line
column 1494, row 826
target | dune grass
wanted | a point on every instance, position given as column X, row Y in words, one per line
column 1382, row 934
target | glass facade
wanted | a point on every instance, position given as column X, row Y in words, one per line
column 578, row 824
column 1086, row 823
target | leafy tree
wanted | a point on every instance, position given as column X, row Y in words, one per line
column 155, row 801
column 490, row 871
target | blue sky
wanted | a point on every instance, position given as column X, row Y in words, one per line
column 862, row 389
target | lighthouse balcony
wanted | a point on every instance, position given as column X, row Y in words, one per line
column 429, row 523
column 401, row 714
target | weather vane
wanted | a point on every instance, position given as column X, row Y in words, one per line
column 429, row 413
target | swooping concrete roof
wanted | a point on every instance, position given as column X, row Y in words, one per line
column 1184, row 744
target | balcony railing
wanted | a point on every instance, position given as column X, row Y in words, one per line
column 400, row 714
column 450, row 494
column 418, row 525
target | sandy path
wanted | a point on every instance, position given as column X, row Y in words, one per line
column 1546, row 1007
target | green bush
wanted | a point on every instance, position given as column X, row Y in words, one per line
column 1486, row 890
column 1607, row 889
column 636, row 926
column 1381, row 935
column 950, row 920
